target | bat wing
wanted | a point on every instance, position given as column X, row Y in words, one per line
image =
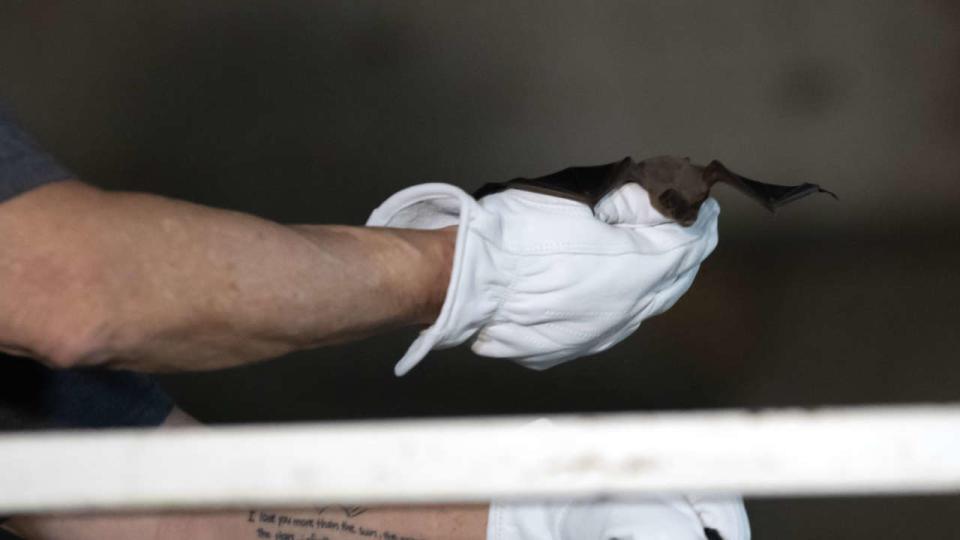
column 771, row 196
column 584, row 184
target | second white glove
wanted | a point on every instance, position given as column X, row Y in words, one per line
column 655, row 517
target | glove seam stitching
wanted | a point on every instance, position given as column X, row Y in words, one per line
column 585, row 249
column 575, row 333
column 605, row 314
column 534, row 200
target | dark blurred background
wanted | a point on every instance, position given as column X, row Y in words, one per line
column 316, row 112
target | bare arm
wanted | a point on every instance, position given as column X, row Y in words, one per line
column 334, row 522
column 137, row 281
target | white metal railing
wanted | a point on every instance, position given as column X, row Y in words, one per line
column 778, row 452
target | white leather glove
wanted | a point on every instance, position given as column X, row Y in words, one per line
column 659, row 517
column 541, row 279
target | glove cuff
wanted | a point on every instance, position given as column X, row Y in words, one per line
column 435, row 206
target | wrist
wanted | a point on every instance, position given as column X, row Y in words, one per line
column 452, row 294
column 441, row 248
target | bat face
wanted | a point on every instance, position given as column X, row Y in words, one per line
column 676, row 187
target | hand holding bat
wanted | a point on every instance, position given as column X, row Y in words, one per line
column 543, row 280
column 540, row 278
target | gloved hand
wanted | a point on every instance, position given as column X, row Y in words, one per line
column 659, row 517
column 541, row 279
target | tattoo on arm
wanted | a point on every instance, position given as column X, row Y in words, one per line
column 350, row 511
column 328, row 523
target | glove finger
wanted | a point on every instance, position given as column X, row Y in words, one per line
column 629, row 205
column 527, row 345
column 671, row 241
column 660, row 274
column 700, row 241
column 668, row 296
column 661, row 302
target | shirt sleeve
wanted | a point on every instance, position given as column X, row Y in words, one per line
column 23, row 165
column 33, row 396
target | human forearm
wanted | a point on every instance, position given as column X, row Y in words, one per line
column 139, row 281
column 335, row 522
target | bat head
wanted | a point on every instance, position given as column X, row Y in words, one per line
column 676, row 187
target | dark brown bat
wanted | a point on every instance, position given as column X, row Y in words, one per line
column 677, row 187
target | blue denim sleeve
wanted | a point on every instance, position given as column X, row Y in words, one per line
column 33, row 396
column 23, row 165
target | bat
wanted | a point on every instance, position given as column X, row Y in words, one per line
column 676, row 186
